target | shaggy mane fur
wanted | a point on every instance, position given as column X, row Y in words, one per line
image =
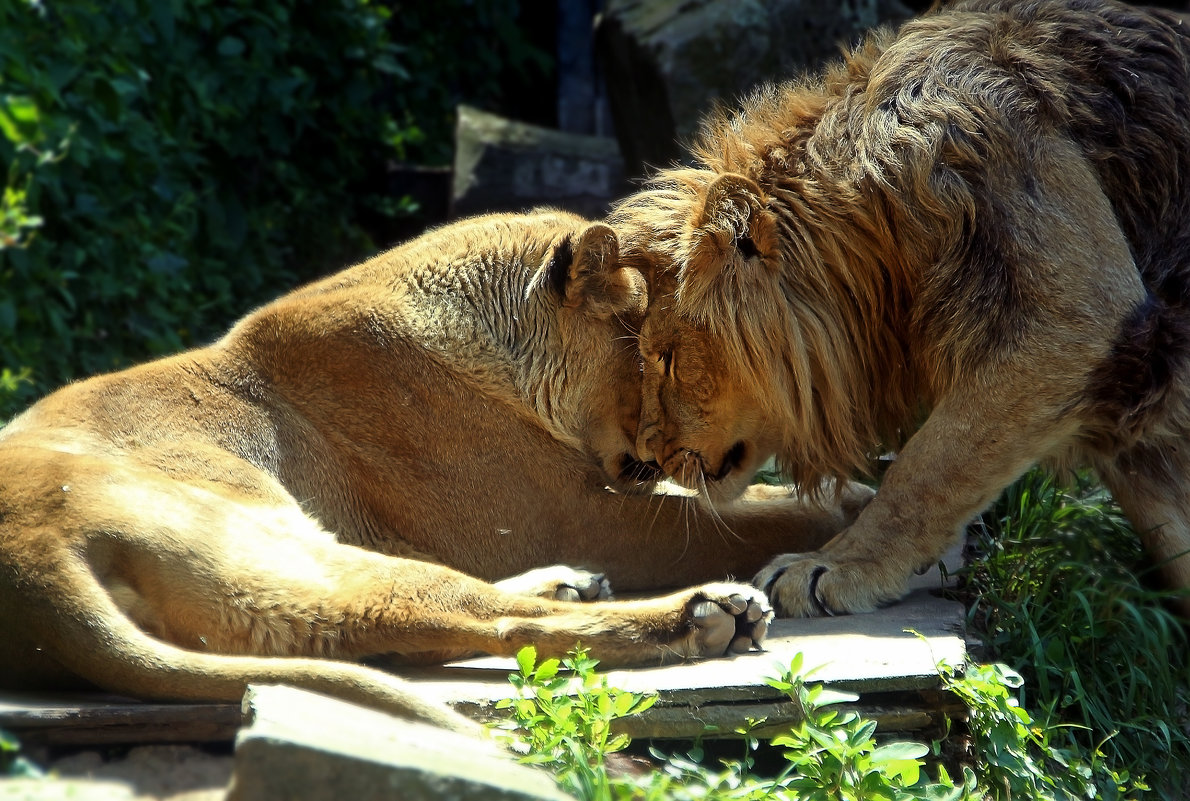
column 885, row 176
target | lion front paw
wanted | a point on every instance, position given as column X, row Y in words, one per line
column 560, row 583
column 815, row 585
column 722, row 619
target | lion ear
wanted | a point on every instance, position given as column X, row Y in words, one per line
column 586, row 273
column 730, row 229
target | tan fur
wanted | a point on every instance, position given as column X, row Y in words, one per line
column 343, row 474
column 969, row 242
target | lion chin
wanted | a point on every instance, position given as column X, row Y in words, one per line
column 718, row 480
column 631, row 476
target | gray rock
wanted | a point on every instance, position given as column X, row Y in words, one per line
column 301, row 746
column 667, row 61
column 503, row 165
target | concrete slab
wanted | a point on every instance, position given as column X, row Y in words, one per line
column 889, row 657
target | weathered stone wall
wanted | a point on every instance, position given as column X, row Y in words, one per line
column 667, row 61
column 502, row 165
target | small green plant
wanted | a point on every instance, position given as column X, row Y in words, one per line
column 1020, row 758
column 564, row 720
column 833, row 754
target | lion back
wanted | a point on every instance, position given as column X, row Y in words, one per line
column 1117, row 77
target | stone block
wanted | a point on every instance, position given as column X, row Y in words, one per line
column 301, row 746
column 504, row 165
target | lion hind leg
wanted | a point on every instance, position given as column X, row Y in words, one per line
column 1152, row 486
column 94, row 639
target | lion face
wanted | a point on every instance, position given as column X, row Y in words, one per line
column 586, row 386
column 700, row 421
column 606, row 401
column 705, row 247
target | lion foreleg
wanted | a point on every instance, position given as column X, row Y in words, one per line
column 399, row 607
column 966, row 452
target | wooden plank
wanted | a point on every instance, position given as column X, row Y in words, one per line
column 99, row 719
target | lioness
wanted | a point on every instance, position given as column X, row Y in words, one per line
column 968, row 242
column 341, row 474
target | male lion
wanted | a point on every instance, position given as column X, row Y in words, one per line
column 341, row 474
column 968, row 242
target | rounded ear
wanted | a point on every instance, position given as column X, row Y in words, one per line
column 730, row 201
column 730, row 229
column 586, row 274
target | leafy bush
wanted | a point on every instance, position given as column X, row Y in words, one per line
column 1059, row 593
column 564, row 720
column 172, row 162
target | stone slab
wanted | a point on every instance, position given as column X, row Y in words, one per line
column 301, row 746
column 505, row 165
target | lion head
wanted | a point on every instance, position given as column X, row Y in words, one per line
column 747, row 350
column 578, row 364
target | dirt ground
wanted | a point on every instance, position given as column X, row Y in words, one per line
column 156, row 772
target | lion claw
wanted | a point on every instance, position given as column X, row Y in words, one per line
column 817, row 599
column 818, row 585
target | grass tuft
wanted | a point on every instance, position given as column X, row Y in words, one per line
column 1060, row 590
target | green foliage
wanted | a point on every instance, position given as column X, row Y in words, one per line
column 1059, row 594
column 1019, row 758
column 184, row 133
column 11, row 761
column 17, row 225
column 458, row 50
column 181, row 160
column 564, row 722
column 834, row 754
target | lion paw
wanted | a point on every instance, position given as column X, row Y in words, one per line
column 724, row 619
column 815, row 585
column 559, row 582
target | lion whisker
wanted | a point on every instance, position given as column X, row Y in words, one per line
column 721, row 525
column 633, row 330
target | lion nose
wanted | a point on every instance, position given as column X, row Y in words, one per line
column 646, row 440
